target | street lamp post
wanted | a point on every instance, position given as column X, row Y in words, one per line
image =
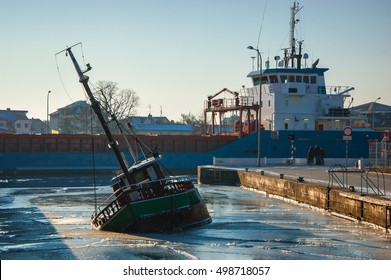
column 260, row 103
column 47, row 111
column 373, row 113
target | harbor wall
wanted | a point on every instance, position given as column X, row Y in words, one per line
column 371, row 209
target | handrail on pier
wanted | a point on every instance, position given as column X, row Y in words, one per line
column 378, row 186
column 333, row 175
column 339, row 174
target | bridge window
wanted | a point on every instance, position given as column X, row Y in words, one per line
column 299, row 79
column 313, row 79
column 283, row 78
column 291, row 79
column 306, row 79
column 265, row 80
column 273, row 79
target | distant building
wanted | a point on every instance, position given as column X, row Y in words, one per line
column 75, row 118
column 38, row 126
column 14, row 121
column 158, row 126
column 379, row 115
column 78, row 118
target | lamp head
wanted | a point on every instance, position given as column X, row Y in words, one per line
column 250, row 47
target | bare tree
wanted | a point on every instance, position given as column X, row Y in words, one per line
column 197, row 122
column 119, row 102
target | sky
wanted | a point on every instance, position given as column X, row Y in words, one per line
column 175, row 53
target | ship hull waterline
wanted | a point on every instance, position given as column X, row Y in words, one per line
column 161, row 214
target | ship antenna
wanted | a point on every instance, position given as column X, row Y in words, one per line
column 260, row 28
column 294, row 10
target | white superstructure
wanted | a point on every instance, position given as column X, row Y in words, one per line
column 296, row 98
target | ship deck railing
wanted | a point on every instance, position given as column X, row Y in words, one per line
column 137, row 192
column 220, row 103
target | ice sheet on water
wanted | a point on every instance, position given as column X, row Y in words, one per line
column 246, row 225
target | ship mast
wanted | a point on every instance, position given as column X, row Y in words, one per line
column 294, row 10
column 97, row 110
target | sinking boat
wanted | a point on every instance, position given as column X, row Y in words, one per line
column 144, row 199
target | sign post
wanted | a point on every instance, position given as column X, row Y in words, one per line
column 291, row 137
column 347, row 136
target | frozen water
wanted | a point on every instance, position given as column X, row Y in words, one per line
column 51, row 221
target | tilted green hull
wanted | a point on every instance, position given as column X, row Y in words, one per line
column 169, row 212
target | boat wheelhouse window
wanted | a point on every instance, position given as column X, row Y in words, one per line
column 283, row 78
column 306, row 79
column 299, row 79
column 140, row 176
column 269, row 103
column 265, row 80
column 152, row 173
column 256, row 81
column 273, row 79
column 291, row 79
column 286, row 125
column 313, row 79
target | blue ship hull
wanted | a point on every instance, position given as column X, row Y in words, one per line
column 273, row 145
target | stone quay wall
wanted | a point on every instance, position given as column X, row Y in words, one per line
column 372, row 209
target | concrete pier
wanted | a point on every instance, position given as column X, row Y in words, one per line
column 307, row 186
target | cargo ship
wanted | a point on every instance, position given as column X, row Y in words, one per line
column 288, row 109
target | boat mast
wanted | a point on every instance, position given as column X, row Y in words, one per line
column 294, row 10
column 97, row 110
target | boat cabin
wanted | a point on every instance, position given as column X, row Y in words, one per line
column 147, row 170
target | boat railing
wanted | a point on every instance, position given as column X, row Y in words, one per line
column 230, row 102
column 146, row 190
column 338, row 89
column 109, row 200
column 160, row 182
